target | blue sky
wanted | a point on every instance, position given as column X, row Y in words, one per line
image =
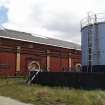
column 3, row 15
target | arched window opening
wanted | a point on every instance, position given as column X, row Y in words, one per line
column 34, row 66
column 78, row 67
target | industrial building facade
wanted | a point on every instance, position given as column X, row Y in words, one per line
column 21, row 52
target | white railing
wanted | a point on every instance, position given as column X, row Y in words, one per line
column 92, row 18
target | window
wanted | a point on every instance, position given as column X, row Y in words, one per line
column 78, row 67
column 33, row 66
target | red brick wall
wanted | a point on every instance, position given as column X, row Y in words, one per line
column 76, row 59
column 7, row 63
column 55, row 64
column 28, row 55
column 64, row 64
column 59, row 57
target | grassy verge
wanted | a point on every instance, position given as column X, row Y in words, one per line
column 43, row 95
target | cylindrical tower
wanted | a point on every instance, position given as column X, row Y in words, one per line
column 93, row 43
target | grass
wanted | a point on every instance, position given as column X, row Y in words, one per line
column 44, row 95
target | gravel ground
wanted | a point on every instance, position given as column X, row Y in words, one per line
column 9, row 101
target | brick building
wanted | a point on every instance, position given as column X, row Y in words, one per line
column 21, row 52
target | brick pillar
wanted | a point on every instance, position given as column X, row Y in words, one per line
column 70, row 62
column 48, row 60
column 18, row 59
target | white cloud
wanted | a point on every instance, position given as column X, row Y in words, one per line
column 3, row 2
column 53, row 18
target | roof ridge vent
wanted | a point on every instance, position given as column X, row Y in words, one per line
column 38, row 35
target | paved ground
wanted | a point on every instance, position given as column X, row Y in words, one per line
column 9, row 101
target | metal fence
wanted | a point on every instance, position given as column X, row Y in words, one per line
column 83, row 80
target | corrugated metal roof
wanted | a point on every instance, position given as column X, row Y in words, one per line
column 23, row 36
